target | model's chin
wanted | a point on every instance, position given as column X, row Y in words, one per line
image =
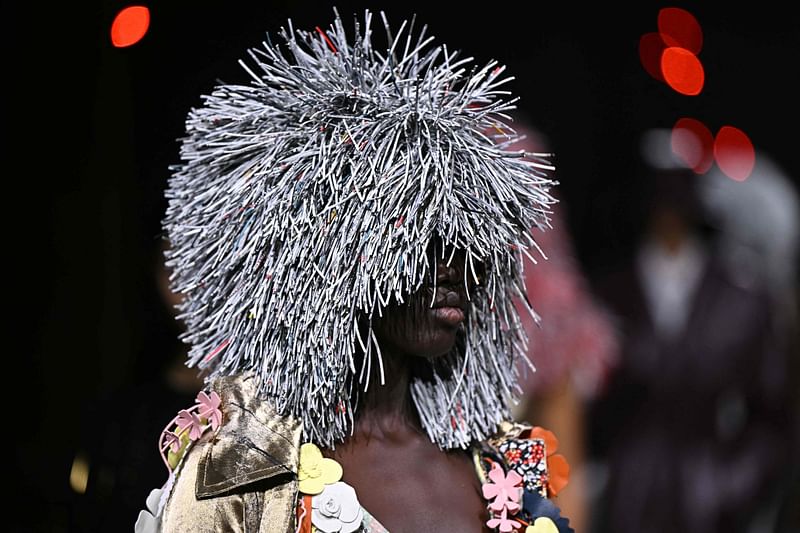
column 431, row 335
column 438, row 342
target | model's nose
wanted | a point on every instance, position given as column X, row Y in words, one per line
column 446, row 275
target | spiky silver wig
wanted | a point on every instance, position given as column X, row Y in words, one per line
column 305, row 201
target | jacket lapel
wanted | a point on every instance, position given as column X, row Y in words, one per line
column 254, row 443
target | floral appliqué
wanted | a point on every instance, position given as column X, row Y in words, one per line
column 525, row 474
column 188, row 426
column 506, row 490
column 542, row 525
column 333, row 504
column 149, row 520
column 533, row 456
column 336, row 509
column 316, row 471
column 557, row 465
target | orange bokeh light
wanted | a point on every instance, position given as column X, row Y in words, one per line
column 651, row 47
column 682, row 71
column 129, row 26
column 679, row 28
column 693, row 142
column 734, row 153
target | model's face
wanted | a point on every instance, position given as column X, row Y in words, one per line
column 427, row 323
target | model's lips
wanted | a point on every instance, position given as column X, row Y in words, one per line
column 448, row 307
column 449, row 315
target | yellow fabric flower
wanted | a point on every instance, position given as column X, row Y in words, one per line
column 316, row 471
column 542, row 525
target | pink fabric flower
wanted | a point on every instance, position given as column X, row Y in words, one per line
column 172, row 440
column 504, row 524
column 504, row 488
column 209, row 408
column 191, row 422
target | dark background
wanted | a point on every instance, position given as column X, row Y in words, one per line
column 91, row 131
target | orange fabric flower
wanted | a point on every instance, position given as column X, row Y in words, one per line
column 557, row 465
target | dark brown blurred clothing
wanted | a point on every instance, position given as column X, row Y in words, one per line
column 695, row 429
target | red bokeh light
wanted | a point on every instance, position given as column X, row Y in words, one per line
column 734, row 153
column 129, row 26
column 693, row 142
column 682, row 70
column 651, row 47
column 679, row 28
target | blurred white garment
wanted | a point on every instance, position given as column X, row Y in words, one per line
column 759, row 222
column 669, row 279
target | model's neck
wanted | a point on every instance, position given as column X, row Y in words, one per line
column 387, row 409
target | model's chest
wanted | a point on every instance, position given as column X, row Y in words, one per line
column 418, row 490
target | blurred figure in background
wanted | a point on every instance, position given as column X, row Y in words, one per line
column 694, row 423
column 758, row 223
column 573, row 349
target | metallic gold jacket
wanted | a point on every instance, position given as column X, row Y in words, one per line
column 243, row 477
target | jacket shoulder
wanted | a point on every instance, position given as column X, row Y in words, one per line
column 236, row 472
